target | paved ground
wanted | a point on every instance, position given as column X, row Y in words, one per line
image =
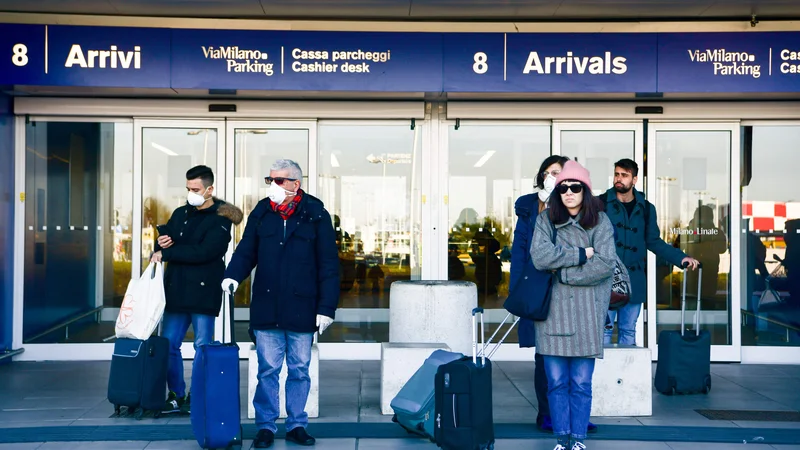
column 42, row 405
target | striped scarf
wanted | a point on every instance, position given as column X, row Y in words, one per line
column 288, row 209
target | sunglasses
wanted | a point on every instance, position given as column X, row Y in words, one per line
column 279, row 180
column 575, row 188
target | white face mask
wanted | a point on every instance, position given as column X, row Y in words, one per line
column 196, row 199
column 277, row 194
column 549, row 185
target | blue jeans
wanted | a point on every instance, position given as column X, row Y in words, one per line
column 174, row 327
column 626, row 324
column 570, row 394
column 272, row 347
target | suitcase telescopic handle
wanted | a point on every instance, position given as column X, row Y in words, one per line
column 683, row 298
column 229, row 320
column 475, row 313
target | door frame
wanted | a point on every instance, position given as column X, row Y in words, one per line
column 139, row 124
column 719, row 353
column 230, row 166
column 637, row 127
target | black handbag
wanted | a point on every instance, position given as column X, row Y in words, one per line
column 530, row 297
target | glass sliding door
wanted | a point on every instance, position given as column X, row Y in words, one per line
column 165, row 150
column 78, row 225
column 252, row 148
column 692, row 185
column 369, row 179
column 489, row 166
column 597, row 146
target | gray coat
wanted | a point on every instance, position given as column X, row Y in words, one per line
column 579, row 300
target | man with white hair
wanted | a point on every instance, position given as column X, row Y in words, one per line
column 289, row 236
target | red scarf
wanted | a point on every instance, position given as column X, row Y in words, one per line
column 288, row 209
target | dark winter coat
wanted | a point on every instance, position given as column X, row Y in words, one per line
column 298, row 266
column 195, row 260
column 634, row 236
column 527, row 210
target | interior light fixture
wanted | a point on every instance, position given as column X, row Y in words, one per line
column 163, row 149
column 334, row 161
column 484, row 158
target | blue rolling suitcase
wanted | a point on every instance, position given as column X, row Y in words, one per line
column 684, row 359
column 215, row 413
column 414, row 404
column 138, row 378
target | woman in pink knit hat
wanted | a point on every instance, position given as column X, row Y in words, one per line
column 574, row 239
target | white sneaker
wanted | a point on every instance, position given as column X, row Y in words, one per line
column 578, row 446
column 560, row 447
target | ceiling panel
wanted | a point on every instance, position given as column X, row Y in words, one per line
column 519, row 10
column 189, row 8
column 348, row 9
column 59, row 6
column 483, row 9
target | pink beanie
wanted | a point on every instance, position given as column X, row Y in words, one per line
column 574, row 171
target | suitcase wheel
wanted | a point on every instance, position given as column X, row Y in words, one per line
column 156, row 414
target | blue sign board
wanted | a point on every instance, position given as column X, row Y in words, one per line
column 55, row 55
column 308, row 61
column 729, row 62
column 535, row 62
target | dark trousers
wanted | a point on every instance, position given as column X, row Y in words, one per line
column 540, row 384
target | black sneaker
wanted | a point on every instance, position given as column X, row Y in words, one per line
column 300, row 436
column 174, row 404
column 187, row 404
column 264, row 439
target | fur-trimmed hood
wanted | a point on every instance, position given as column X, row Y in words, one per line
column 229, row 211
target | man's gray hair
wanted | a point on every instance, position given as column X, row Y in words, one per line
column 287, row 164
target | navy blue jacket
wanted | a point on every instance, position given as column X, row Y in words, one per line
column 527, row 210
column 298, row 266
column 634, row 236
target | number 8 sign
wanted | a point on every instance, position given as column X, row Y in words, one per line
column 22, row 54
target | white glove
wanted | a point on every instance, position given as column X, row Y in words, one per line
column 229, row 283
column 323, row 322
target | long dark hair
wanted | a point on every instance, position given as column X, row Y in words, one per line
column 590, row 209
column 549, row 161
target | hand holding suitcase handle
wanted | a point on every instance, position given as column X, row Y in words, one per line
column 683, row 298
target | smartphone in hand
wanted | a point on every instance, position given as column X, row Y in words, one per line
column 163, row 230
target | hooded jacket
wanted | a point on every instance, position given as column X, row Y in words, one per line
column 195, row 261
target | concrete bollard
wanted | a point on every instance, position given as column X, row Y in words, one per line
column 433, row 312
column 622, row 383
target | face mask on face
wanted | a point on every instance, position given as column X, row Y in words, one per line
column 196, row 199
column 276, row 193
column 549, row 185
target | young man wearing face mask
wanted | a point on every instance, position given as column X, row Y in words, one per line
column 527, row 208
column 199, row 233
column 289, row 236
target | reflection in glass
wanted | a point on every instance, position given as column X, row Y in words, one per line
column 598, row 151
column 255, row 150
column 489, row 168
column 369, row 180
column 692, row 203
column 78, row 209
column 771, row 216
column 167, row 153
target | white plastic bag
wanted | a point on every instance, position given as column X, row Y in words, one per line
column 143, row 304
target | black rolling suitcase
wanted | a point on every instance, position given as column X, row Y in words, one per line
column 684, row 359
column 463, row 399
column 138, row 378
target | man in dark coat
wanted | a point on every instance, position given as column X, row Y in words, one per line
column 290, row 237
column 636, row 232
column 194, row 248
